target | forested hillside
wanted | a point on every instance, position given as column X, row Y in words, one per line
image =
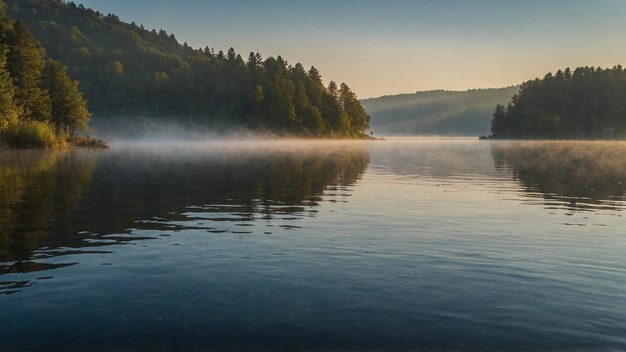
column 39, row 104
column 466, row 113
column 126, row 70
column 586, row 103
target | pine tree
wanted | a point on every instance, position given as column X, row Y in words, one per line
column 25, row 62
column 332, row 111
column 69, row 108
column 498, row 122
column 333, row 90
column 586, row 103
column 358, row 120
column 231, row 55
column 160, row 77
column 8, row 108
column 252, row 63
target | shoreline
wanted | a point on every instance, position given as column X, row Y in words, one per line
column 485, row 138
column 77, row 143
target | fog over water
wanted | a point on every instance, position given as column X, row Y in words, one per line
column 406, row 243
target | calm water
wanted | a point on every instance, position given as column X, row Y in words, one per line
column 406, row 244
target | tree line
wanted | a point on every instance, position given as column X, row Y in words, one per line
column 588, row 102
column 126, row 70
column 36, row 94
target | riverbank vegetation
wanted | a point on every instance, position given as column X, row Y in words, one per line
column 587, row 103
column 40, row 106
column 128, row 70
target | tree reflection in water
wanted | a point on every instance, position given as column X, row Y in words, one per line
column 60, row 203
column 577, row 175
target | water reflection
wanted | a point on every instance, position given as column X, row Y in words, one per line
column 575, row 175
column 434, row 248
column 56, row 204
column 435, row 159
column 37, row 190
column 61, row 203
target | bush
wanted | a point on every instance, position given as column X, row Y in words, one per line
column 29, row 134
column 88, row 142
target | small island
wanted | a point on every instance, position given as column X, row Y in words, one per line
column 587, row 103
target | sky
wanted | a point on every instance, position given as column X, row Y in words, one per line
column 399, row 46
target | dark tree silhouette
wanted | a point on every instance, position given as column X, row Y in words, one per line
column 587, row 103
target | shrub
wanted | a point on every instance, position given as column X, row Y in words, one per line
column 29, row 134
column 88, row 142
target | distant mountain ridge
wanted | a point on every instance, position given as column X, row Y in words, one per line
column 437, row 112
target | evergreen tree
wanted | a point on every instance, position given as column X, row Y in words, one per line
column 333, row 90
column 332, row 111
column 587, row 103
column 252, row 62
column 498, row 123
column 69, row 108
column 8, row 109
column 357, row 119
column 231, row 55
column 35, row 92
column 25, row 62
column 127, row 70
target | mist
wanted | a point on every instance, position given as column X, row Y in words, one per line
column 150, row 129
column 582, row 173
column 439, row 112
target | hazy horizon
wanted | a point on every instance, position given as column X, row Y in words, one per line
column 158, row 197
column 401, row 46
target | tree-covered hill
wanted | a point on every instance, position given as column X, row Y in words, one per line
column 586, row 103
column 40, row 106
column 127, row 70
column 466, row 113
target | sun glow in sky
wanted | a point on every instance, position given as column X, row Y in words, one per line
column 399, row 46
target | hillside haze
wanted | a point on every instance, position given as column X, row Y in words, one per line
column 437, row 112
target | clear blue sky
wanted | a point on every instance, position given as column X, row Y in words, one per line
column 395, row 46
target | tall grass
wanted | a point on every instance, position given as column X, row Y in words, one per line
column 88, row 142
column 29, row 134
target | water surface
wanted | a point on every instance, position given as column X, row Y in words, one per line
column 405, row 244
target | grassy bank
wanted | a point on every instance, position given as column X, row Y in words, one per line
column 30, row 134
column 88, row 142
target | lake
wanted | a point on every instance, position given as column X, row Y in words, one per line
column 404, row 244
